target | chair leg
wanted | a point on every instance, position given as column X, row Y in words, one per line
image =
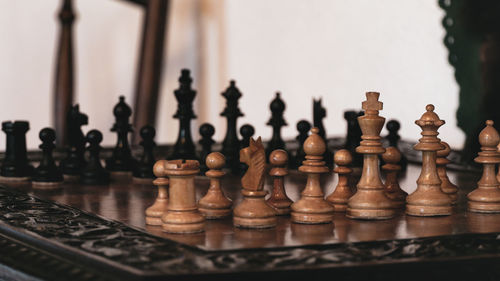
column 150, row 65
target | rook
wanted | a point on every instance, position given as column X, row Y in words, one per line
column 15, row 165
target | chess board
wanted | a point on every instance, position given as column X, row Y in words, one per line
column 99, row 233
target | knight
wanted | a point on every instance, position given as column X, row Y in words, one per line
column 253, row 211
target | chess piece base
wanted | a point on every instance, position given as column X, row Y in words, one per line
column 41, row 185
column 312, row 210
column 281, row 211
column 71, row 178
column 370, row 214
column 483, row 207
column 13, row 179
column 155, row 211
column 212, row 213
column 253, row 211
column 281, row 206
column 186, row 221
column 453, row 196
column 428, row 211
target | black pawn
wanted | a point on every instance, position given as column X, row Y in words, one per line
column 230, row 144
column 393, row 138
column 94, row 173
column 184, row 146
column 75, row 159
column 353, row 137
column 303, row 127
column 144, row 168
column 16, row 164
column 121, row 160
column 277, row 121
column 319, row 112
column 246, row 132
column 206, row 131
column 47, row 171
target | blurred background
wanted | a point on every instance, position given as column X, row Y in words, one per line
column 333, row 49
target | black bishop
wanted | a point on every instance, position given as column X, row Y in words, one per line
column 277, row 121
column 230, row 144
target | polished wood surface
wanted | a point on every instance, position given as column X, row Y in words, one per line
column 126, row 201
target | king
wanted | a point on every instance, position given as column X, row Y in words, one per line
column 370, row 201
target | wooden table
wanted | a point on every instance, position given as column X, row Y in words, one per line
column 98, row 233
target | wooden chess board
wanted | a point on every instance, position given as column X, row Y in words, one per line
column 99, row 233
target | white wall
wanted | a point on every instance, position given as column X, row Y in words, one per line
column 332, row 49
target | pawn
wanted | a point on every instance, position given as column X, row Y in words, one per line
column 391, row 168
column 393, row 138
column 206, row 131
column 441, row 162
column 47, row 175
column 159, row 207
column 486, row 197
column 247, row 131
column 312, row 208
column 303, row 127
column 143, row 171
column 342, row 192
column 94, row 173
column 215, row 205
column 278, row 199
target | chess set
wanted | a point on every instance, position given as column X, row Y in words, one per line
column 275, row 209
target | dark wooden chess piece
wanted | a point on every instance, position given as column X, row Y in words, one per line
column 278, row 199
column 72, row 165
column 121, row 161
column 15, row 165
column 277, row 121
column 486, row 197
column 206, row 131
column 182, row 214
column 312, row 208
column 393, row 138
column 246, row 131
column 143, row 171
column 47, row 175
column 319, row 112
column 342, row 192
column 303, row 127
column 446, row 185
column 428, row 199
column 159, row 207
column 94, row 173
column 184, row 146
column 215, row 205
column 253, row 211
column 391, row 168
column 353, row 137
column 230, row 144
column 370, row 201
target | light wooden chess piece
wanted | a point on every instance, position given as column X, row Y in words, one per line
column 215, row 205
column 159, row 207
column 253, row 211
column 446, row 186
column 182, row 214
column 391, row 157
column 342, row 192
column 312, row 208
column 370, row 200
column 486, row 198
column 279, row 200
column 428, row 199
